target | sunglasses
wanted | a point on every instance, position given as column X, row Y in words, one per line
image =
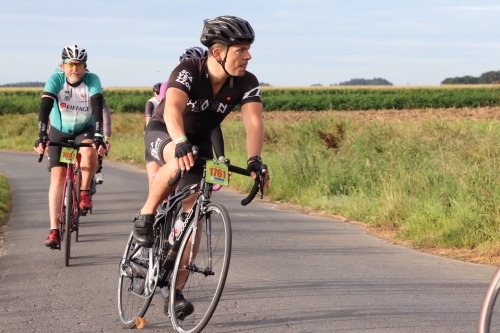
column 79, row 65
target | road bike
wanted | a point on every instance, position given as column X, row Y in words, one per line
column 69, row 217
column 486, row 314
column 204, row 244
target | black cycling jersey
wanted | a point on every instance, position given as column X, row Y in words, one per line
column 204, row 111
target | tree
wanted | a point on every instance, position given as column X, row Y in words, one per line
column 377, row 81
column 24, row 84
column 485, row 78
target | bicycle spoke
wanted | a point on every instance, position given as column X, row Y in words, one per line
column 132, row 300
column 207, row 273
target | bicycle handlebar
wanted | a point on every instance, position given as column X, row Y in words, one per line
column 65, row 144
column 258, row 184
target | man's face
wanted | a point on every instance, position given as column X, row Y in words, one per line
column 74, row 70
column 237, row 59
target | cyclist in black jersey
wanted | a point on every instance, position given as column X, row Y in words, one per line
column 201, row 93
column 217, row 138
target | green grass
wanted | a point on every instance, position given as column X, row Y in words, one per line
column 436, row 182
column 5, row 198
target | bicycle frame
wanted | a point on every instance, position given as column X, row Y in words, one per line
column 171, row 264
column 70, row 176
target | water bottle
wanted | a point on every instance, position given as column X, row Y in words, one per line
column 177, row 228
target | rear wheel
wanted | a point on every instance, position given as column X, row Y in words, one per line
column 487, row 315
column 133, row 296
column 207, row 274
column 68, row 218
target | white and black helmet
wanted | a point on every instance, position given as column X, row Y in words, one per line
column 193, row 52
column 74, row 52
column 226, row 30
column 156, row 88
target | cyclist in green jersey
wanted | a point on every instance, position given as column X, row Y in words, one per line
column 72, row 99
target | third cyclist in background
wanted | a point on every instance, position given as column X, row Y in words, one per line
column 152, row 103
column 106, row 120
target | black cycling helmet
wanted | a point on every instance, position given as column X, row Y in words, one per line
column 227, row 30
column 193, row 52
column 156, row 88
column 74, row 52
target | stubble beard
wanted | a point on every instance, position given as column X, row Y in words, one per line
column 72, row 79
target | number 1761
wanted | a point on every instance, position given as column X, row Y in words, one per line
column 217, row 173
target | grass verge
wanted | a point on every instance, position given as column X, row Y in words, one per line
column 5, row 199
column 429, row 182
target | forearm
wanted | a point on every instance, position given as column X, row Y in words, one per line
column 175, row 124
column 218, row 142
column 254, row 126
column 255, row 139
column 43, row 115
column 96, row 102
column 106, row 119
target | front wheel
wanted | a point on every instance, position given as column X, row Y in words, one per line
column 485, row 317
column 202, row 282
column 78, row 182
column 133, row 296
column 68, row 218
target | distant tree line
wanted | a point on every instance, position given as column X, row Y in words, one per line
column 485, row 78
column 23, row 84
column 377, row 81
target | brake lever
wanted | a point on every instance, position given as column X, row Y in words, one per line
column 262, row 179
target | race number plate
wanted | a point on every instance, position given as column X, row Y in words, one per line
column 217, row 173
column 68, row 155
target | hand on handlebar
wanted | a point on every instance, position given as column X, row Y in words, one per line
column 41, row 144
column 99, row 145
column 258, row 171
column 184, row 155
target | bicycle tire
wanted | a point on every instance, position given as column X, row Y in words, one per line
column 131, row 304
column 166, row 221
column 488, row 304
column 68, row 218
column 203, row 291
column 78, row 177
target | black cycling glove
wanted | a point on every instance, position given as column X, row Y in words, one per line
column 254, row 164
column 183, row 149
column 99, row 141
column 42, row 139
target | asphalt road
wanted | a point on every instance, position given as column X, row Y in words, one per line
column 289, row 272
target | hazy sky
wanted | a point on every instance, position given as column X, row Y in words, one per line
column 298, row 43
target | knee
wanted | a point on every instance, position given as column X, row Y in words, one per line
column 58, row 177
column 88, row 154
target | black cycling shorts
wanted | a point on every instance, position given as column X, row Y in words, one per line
column 58, row 136
column 156, row 138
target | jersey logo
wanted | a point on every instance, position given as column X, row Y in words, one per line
column 67, row 95
column 185, row 78
column 155, row 148
column 62, row 105
column 255, row 92
column 211, row 105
